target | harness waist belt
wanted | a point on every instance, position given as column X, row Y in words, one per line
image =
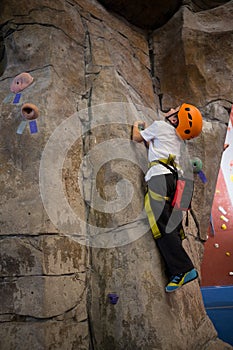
column 164, row 161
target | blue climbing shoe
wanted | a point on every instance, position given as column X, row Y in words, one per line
column 181, row 279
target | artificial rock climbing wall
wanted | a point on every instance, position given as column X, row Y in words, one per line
column 79, row 268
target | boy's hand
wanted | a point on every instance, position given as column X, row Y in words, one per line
column 137, row 127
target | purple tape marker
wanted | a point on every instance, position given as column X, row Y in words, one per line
column 17, row 98
column 33, row 127
column 202, row 176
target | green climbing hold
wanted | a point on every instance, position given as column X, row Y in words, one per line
column 196, row 164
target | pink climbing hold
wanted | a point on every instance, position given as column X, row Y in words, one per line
column 21, row 82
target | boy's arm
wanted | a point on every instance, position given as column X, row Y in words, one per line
column 137, row 127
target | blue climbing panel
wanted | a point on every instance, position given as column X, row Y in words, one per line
column 218, row 301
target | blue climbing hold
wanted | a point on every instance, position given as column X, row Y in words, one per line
column 113, row 298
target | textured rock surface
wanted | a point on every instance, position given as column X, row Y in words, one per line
column 54, row 290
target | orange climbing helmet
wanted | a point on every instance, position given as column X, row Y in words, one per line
column 189, row 122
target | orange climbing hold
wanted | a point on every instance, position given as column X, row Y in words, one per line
column 29, row 111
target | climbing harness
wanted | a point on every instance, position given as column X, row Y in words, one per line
column 153, row 225
column 156, row 196
column 181, row 199
column 167, row 162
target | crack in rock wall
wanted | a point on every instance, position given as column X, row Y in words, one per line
column 72, row 226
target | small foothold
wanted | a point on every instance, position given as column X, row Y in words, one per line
column 222, row 210
column 216, row 245
column 228, row 253
column 231, row 273
column 223, row 227
column 113, row 298
column 224, row 218
column 29, row 111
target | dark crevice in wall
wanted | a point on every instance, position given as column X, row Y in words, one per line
column 28, row 235
column 86, row 148
column 155, row 80
column 3, row 55
column 151, row 52
column 18, row 276
column 11, row 317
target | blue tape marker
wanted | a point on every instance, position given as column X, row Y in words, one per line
column 212, row 225
column 21, row 127
column 33, row 127
column 202, row 176
column 17, row 98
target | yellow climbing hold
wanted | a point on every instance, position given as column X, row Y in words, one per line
column 224, row 218
column 223, row 227
column 228, row 254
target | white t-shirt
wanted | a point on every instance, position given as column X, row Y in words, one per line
column 163, row 141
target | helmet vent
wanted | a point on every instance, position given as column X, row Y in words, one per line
column 187, row 131
column 187, row 109
column 190, row 119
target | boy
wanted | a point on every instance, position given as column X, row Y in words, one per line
column 165, row 139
